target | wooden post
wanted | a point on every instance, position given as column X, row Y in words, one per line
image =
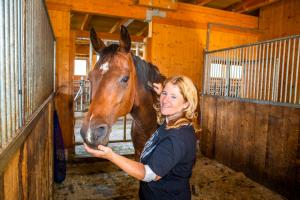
column 60, row 20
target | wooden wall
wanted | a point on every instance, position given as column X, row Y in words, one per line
column 177, row 43
column 223, row 36
column 178, row 50
column 28, row 172
column 260, row 140
column 280, row 19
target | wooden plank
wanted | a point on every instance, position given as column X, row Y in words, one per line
column 207, row 137
column 178, row 50
column 292, row 124
column 224, row 140
column 108, row 36
column 185, row 12
column 120, row 8
column 233, row 133
column 199, row 14
column 260, row 140
column 161, row 4
column 275, row 22
column 85, row 22
column 11, row 178
column 203, row 2
column 1, row 185
column 246, row 6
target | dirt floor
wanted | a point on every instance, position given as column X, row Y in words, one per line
column 210, row 181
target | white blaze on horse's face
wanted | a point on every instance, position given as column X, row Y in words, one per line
column 104, row 67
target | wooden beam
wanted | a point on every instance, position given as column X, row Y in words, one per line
column 186, row 13
column 247, row 5
column 86, row 21
column 121, row 22
column 160, row 4
column 203, row 2
column 120, row 8
column 108, row 36
column 141, row 32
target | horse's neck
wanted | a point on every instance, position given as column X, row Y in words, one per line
column 144, row 115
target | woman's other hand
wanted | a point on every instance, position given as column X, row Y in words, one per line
column 157, row 88
column 102, row 152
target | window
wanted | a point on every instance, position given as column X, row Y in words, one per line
column 80, row 67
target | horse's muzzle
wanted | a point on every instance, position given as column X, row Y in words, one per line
column 94, row 136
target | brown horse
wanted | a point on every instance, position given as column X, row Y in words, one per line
column 119, row 83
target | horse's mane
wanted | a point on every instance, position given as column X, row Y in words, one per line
column 147, row 72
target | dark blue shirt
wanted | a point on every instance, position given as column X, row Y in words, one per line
column 171, row 155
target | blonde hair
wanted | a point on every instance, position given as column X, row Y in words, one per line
column 189, row 93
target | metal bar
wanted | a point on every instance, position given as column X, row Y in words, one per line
column 255, row 71
column 219, row 73
column 262, row 72
column 251, row 72
column 292, row 70
column 13, row 85
column 232, row 57
column 8, row 70
column 258, row 71
column 19, row 63
column 244, row 71
column 240, row 72
column 287, row 71
column 124, row 127
column 266, row 70
column 227, row 75
column 2, row 76
column 279, row 64
column 204, row 72
column 282, row 71
column 274, row 73
column 256, row 43
column 270, row 72
column 297, row 73
column 208, row 74
column 137, row 49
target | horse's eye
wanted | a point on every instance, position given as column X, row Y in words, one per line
column 124, row 79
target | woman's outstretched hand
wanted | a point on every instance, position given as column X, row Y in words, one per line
column 157, row 88
column 102, row 152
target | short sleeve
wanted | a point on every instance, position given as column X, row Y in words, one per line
column 165, row 156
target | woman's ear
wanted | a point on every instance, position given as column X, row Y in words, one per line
column 186, row 105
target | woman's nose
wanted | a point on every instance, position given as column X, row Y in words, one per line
column 164, row 99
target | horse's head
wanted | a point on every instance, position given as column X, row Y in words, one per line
column 113, row 88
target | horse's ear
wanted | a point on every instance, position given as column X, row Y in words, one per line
column 97, row 43
column 125, row 41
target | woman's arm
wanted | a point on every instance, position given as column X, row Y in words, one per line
column 132, row 168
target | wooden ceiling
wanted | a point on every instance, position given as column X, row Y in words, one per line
column 111, row 25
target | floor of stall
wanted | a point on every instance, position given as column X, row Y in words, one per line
column 101, row 180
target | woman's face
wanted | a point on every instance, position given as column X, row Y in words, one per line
column 171, row 100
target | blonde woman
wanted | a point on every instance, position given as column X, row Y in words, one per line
column 168, row 157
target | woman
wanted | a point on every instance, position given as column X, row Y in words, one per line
column 168, row 157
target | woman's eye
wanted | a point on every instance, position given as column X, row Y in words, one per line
column 164, row 93
column 124, row 79
column 173, row 97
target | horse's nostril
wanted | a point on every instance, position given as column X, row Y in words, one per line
column 101, row 131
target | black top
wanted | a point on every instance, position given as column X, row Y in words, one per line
column 171, row 155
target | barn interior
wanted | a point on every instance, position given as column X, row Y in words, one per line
column 243, row 56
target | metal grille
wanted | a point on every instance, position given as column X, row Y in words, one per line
column 267, row 71
column 26, row 63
